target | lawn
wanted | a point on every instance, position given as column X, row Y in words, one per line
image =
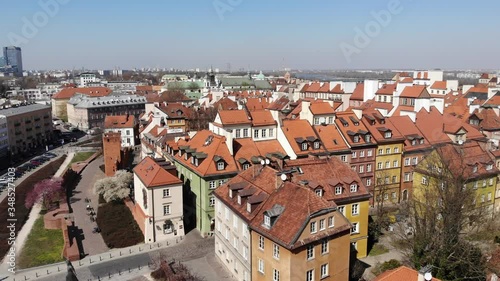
column 81, row 156
column 43, row 246
column 118, row 227
column 378, row 249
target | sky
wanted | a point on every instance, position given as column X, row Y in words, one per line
column 253, row 34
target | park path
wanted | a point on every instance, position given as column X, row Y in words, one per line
column 93, row 243
column 22, row 235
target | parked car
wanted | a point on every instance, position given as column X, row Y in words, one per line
column 36, row 163
column 50, row 155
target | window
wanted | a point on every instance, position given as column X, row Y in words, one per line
column 166, row 192
column 393, row 195
column 324, row 247
column 212, row 201
column 395, row 163
column 489, row 167
column 355, row 228
column 276, row 251
column 489, row 196
column 255, row 134
column 380, row 151
column 353, row 167
column 220, row 165
column 386, row 180
column 324, row 270
column 379, row 165
column 246, row 166
column 226, row 213
column 276, row 275
column 396, row 149
column 368, row 182
column 484, row 183
column 353, row 154
column 341, row 209
column 388, row 151
column 474, row 169
column 316, row 121
column 267, row 221
column 166, row 210
column 338, row 190
column 271, row 133
column 261, row 242
column 316, row 145
column 304, row 146
column 355, row 209
column 368, row 168
column 331, row 221
column 407, row 177
column 387, row 164
column 261, row 266
column 145, row 198
column 414, row 161
column 361, row 168
column 235, row 242
column 263, row 133
column 321, row 224
column 475, row 185
column 245, row 133
column 388, row 135
column 310, row 252
column 211, row 184
column 310, row 275
column 313, row 227
column 330, row 120
column 424, row 180
column 394, row 179
column 369, row 153
column 238, row 133
column 343, row 158
column 490, row 181
column 355, row 139
column 319, row 192
column 368, row 138
column 407, row 161
column 482, row 198
column 245, row 252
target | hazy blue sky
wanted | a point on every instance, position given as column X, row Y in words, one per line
column 258, row 34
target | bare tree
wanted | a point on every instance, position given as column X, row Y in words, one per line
column 114, row 188
column 442, row 208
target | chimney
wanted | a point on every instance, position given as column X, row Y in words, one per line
column 425, row 273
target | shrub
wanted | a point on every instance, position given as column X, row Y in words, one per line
column 388, row 265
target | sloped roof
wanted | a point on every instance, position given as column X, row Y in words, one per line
column 320, row 108
column 402, row 273
column 225, row 104
column 415, row 91
column 153, row 175
column 67, row 93
column 331, row 138
column 262, row 118
column 439, row 85
column 233, row 117
column 358, row 93
column 119, row 121
column 299, row 131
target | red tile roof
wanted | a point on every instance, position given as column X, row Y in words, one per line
column 176, row 110
column 299, row 131
column 415, row 91
column 345, row 122
column 152, row 175
column 257, row 103
column 401, row 273
column 386, row 89
column 67, row 93
column 358, row 93
column 233, row 117
column 321, row 108
column 225, row 104
column 410, row 132
column 379, row 126
column 440, row 85
column 407, row 80
column 119, row 121
column 213, row 147
column 331, row 138
column 279, row 104
column 489, row 120
column 329, row 174
column 262, row 118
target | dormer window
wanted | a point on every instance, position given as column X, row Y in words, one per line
column 196, row 162
column 267, row 221
column 422, row 141
column 368, row 138
column 338, row 190
column 388, row 134
column 186, row 156
column 355, row 139
column 413, row 142
column 316, row 145
column 220, row 166
column 474, row 169
column 245, row 166
column 239, row 199
column 192, row 160
column 489, row 167
column 354, row 187
column 319, row 192
column 304, row 146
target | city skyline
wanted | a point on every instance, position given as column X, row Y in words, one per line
column 57, row 34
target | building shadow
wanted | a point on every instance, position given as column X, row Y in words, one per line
column 189, row 199
column 76, row 235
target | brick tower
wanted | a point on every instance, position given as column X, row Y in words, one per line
column 112, row 153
